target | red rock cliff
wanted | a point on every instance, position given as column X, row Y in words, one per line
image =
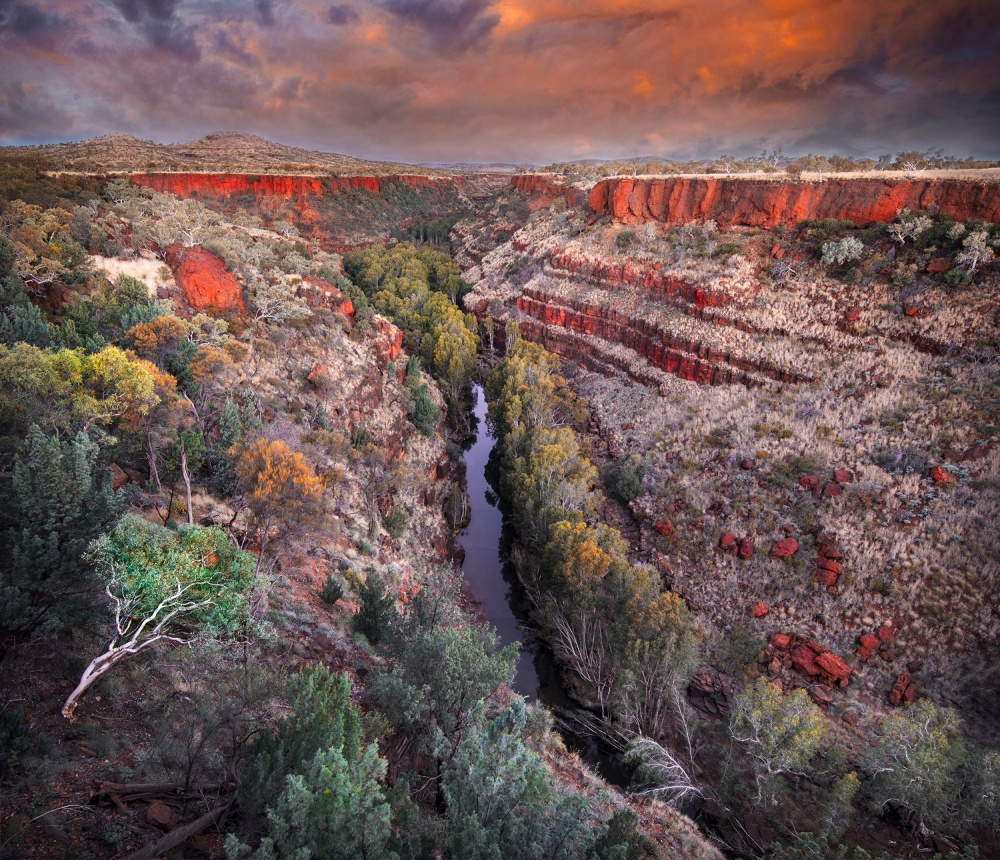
column 772, row 203
column 546, row 189
column 219, row 186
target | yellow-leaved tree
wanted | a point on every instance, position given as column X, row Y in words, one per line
column 280, row 489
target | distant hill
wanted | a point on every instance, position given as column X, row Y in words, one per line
column 481, row 167
column 219, row 151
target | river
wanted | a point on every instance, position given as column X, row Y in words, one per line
column 487, row 568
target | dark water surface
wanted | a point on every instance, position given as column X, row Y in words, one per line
column 486, row 566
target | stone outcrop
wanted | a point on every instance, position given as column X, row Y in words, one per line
column 678, row 354
column 317, row 293
column 808, row 658
column 774, row 203
column 387, row 342
column 204, row 280
column 273, row 186
column 904, row 690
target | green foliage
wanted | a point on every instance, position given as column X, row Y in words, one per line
column 437, row 672
column 843, row 252
column 321, row 717
column 377, row 614
column 238, row 420
column 66, row 390
column 624, row 477
column 501, row 802
column 336, row 810
column 396, row 521
column 624, row 239
column 779, row 733
column 59, row 500
column 919, row 765
column 332, row 590
column 422, row 410
column 109, row 313
column 143, row 564
column 417, row 290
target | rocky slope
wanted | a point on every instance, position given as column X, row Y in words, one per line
column 818, row 445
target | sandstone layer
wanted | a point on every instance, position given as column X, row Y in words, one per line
column 773, row 203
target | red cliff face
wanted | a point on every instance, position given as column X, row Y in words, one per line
column 220, row 186
column 546, row 190
column 204, row 279
column 772, row 203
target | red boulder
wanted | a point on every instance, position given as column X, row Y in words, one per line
column 759, row 609
column 941, row 476
column 746, row 548
column 664, row 526
column 204, row 280
column 727, row 542
column 903, row 690
column 784, row 548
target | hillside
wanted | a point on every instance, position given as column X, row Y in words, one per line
column 219, row 151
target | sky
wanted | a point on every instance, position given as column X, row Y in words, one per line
column 512, row 80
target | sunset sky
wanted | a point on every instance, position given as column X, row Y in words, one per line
column 524, row 80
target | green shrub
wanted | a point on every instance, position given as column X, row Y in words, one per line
column 331, row 591
column 377, row 615
column 321, row 716
column 396, row 521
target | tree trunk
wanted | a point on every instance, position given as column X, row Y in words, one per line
column 187, row 483
column 154, row 475
column 98, row 666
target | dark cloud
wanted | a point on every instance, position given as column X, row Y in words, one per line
column 265, row 12
column 23, row 19
column 450, row 24
column 341, row 14
column 136, row 11
column 159, row 25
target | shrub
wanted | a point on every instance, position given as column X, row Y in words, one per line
column 377, row 614
column 331, row 591
column 396, row 521
column 321, row 716
column 625, row 238
column 842, row 252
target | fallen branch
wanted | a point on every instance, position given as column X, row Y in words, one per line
column 179, row 835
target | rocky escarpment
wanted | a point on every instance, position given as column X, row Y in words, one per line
column 545, row 190
column 260, row 186
column 773, row 203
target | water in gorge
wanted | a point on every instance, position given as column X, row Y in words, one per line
column 487, row 569
column 492, row 578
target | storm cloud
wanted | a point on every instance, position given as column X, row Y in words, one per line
column 489, row 80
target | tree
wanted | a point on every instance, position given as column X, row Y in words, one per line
column 59, row 500
column 501, row 802
column 918, row 765
column 438, row 673
column 778, row 732
column 167, row 586
column 841, row 253
column 280, row 489
column 377, row 614
column 337, row 810
column 975, row 252
column 320, row 716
